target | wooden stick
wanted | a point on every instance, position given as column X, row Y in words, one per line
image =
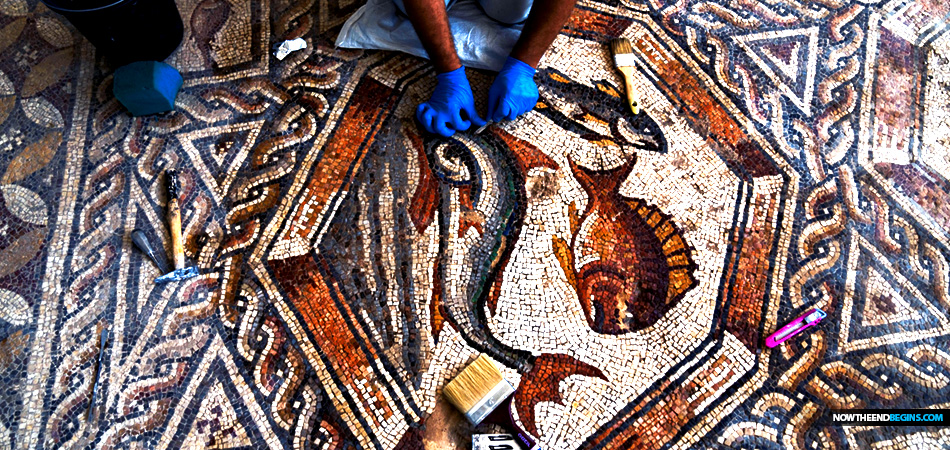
column 174, row 218
column 627, row 72
column 174, row 227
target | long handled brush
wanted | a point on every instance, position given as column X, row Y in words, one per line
column 625, row 60
column 483, row 395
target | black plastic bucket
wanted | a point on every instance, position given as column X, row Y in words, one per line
column 125, row 30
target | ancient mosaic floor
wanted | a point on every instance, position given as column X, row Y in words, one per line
column 625, row 270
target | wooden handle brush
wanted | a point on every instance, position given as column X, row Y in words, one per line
column 174, row 218
column 483, row 395
column 625, row 61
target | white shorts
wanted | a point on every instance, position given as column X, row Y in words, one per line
column 504, row 11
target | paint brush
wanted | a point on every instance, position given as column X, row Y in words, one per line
column 483, row 395
column 625, row 61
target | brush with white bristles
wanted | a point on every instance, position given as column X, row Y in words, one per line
column 483, row 395
column 625, row 60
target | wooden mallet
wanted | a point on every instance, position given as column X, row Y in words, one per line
column 174, row 227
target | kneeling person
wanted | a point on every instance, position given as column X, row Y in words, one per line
column 514, row 92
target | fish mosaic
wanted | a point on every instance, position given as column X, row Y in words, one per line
column 627, row 260
column 480, row 238
column 483, row 232
column 596, row 113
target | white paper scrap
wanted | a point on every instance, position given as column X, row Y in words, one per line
column 288, row 47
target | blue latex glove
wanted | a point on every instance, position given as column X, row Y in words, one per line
column 451, row 107
column 514, row 92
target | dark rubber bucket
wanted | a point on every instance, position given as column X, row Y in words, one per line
column 125, row 30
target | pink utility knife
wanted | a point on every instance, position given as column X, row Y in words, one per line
column 810, row 318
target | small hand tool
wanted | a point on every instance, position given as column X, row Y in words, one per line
column 483, row 394
column 103, row 337
column 174, row 227
column 809, row 319
column 141, row 241
column 483, row 127
column 625, row 60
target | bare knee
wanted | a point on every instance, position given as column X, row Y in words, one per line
column 401, row 5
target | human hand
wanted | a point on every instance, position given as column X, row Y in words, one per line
column 451, row 107
column 514, row 91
